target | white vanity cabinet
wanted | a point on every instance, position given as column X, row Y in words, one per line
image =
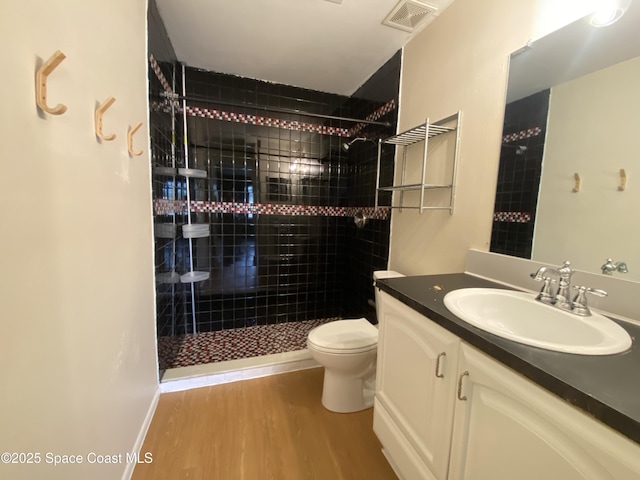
column 488, row 422
column 506, row 427
column 415, row 385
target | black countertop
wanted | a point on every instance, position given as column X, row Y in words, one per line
column 604, row 386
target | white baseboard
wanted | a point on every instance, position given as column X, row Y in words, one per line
column 128, row 472
column 185, row 378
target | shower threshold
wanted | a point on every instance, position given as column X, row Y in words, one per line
column 195, row 376
column 226, row 352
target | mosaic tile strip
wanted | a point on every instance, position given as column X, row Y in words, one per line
column 162, row 206
column 381, row 213
column 158, row 71
column 167, row 207
column 512, row 217
column 215, row 114
column 372, row 117
column 212, row 347
column 529, row 132
column 164, row 106
column 265, row 121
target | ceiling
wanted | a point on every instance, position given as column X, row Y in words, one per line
column 317, row 44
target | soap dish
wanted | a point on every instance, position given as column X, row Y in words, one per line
column 192, row 172
column 192, row 277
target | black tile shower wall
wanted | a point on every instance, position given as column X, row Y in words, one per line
column 170, row 253
column 265, row 267
column 368, row 247
column 277, row 185
column 519, row 175
column 250, row 285
column 159, row 43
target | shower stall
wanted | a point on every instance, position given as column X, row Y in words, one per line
column 254, row 199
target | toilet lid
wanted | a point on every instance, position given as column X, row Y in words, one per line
column 345, row 335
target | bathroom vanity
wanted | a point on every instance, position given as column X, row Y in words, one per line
column 455, row 402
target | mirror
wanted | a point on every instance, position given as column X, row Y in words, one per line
column 569, row 178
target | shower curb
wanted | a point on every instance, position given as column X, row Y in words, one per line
column 196, row 376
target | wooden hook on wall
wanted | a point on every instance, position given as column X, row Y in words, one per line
column 41, row 84
column 130, row 134
column 577, row 182
column 623, row 180
column 98, row 119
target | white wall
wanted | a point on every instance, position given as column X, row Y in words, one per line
column 592, row 131
column 460, row 62
column 77, row 350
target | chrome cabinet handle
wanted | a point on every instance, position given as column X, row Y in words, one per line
column 460, row 396
column 440, row 357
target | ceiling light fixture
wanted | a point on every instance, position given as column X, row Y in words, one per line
column 609, row 12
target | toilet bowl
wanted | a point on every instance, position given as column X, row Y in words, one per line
column 347, row 349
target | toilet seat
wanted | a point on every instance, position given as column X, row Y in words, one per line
column 344, row 337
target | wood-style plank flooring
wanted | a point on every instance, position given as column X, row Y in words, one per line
column 267, row 428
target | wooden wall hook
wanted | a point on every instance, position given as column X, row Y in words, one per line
column 623, row 180
column 98, row 119
column 130, row 134
column 577, row 182
column 41, row 84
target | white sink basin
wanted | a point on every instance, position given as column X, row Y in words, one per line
column 518, row 316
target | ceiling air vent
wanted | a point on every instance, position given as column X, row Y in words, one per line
column 407, row 14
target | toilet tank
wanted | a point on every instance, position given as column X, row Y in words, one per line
column 378, row 275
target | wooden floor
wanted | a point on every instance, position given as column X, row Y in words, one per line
column 268, row 428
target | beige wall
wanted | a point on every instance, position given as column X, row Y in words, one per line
column 77, row 349
column 460, row 62
column 591, row 131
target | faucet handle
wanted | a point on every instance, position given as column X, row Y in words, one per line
column 580, row 301
column 608, row 267
column 597, row 292
column 546, row 294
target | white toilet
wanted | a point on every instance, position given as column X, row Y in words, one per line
column 347, row 350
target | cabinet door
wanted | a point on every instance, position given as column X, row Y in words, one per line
column 416, row 378
column 506, row 428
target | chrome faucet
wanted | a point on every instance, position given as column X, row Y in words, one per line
column 610, row 266
column 561, row 299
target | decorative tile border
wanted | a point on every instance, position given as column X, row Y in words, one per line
column 167, row 207
column 265, row 121
column 162, row 206
column 164, row 106
column 512, row 217
column 214, row 114
column 372, row 117
column 158, row 71
column 529, row 132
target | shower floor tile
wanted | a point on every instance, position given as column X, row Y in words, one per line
column 222, row 345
